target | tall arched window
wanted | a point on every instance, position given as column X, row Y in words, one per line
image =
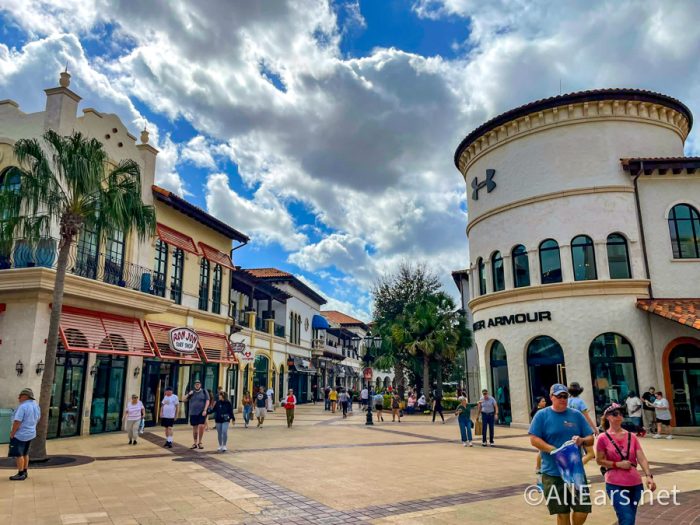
column 545, row 363
column 618, row 257
column 684, row 227
column 482, row 275
column 583, row 258
column 499, row 280
column 550, row 262
column 612, row 370
column 521, row 267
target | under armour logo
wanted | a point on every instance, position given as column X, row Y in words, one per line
column 489, row 183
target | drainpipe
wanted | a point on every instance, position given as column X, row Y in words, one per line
column 641, row 227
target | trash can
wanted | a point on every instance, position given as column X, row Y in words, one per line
column 5, row 424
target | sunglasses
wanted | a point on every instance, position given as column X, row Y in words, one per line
column 615, row 413
column 562, row 396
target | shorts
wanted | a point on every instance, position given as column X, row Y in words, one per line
column 562, row 499
column 18, row 448
column 197, row 419
column 379, row 406
column 260, row 411
column 666, row 422
column 167, row 421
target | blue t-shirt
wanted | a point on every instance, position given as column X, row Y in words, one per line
column 27, row 414
column 556, row 428
column 577, row 404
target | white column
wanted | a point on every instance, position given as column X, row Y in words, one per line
column 533, row 258
column 601, row 259
column 508, row 271
column 567, row 269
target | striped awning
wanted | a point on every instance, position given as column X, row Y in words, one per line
column 215, row 256
column 161, row 343
column 83, row 330
column 175, row 238
column 215, row 348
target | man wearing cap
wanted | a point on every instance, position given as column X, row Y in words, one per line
column 551, row 428
column 23, row 431
column 168, row 413
column 198, row 403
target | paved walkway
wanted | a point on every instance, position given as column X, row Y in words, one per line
column 324, row 470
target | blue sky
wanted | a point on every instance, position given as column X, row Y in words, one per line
column 325, row 130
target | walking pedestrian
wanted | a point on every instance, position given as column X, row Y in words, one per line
column 395, row 407
column 23, row 431
column 168, row 413
column 133, row 414
column 343, row 398
column 634, row 410
column 488, row 409
column 198, row 402
column 289, row 406
column 260, row 411
column 333, row 396
column 327, row 398
column 437, row 405
column 378, row 402
column 270, row 407
column 364, row 395
column 619, row 452
column 314, row 392
column 350, row 399
column 663, row 415
column 247, row 408
column 649, row 413
column 551, row 428
column 463, row 413
column 223, row 417
column 579, row 404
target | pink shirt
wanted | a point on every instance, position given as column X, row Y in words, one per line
column 617, row 476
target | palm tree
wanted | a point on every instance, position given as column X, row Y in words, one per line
column 68, row 180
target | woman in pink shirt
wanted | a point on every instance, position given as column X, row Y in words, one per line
column 619, row 452
column 290, row 404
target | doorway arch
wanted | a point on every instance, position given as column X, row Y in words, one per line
column 545, row 365
column 261, row 365
column 500, row 387
column 613, row 371
column 681, row 364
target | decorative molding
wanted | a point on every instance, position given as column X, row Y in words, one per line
column 636, row 287
column 547, row 197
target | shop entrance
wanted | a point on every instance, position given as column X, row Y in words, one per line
column 499, row 382
column 65, row 412
column 157, row 375
column 545, row 363
column 262, row 367
column 233, row 385
column 684, row 368
column 107, row 393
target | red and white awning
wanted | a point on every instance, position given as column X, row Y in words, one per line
column 216, row 256
column 215, row 348
column 175, row 238
column 159, row 334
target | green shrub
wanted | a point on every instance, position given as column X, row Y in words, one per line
column 450, row 403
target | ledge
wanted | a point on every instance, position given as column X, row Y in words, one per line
column 636, row 287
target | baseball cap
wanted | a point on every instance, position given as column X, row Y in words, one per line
column 197, row 381
column 558, row 388
column 27, row 392
column 168, row 388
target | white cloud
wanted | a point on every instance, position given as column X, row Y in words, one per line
column 199, row 152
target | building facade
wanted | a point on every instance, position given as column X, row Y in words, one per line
column 584, row 241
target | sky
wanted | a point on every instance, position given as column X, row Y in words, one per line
column 325, row 130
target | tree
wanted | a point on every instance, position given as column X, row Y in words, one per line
column 69, row 181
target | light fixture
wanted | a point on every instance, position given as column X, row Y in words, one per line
column 19, row 368
column 40, row 367
column 137, row 371
column 93, row 369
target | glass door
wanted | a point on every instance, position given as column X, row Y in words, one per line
column 149, row 388
column 65, row 411
column 107, row 394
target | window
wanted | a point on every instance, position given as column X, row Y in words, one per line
column 160, row 267
column 550, row 262
column 204, row 284
column 521, row 267
column 684, row 226
column 618, row 258
column 86, row 257
column 482, row 276
column 114, row 258
column 499, row 281
column 10, row 181
column 583, row 258
column 294, row 328
column 216, row 290
column 176, row 276
column 612, row 370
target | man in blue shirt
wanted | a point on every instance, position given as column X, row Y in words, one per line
column 551, row 428
column 23, row 431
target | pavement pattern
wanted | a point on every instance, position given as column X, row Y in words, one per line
column 325, row 469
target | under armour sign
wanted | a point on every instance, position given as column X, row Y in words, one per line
column 489, row 184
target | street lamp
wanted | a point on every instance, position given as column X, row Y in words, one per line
column 371, row 342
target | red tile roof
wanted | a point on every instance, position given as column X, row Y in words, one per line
column 683, row 311
column 263, row 273
column 337, row 317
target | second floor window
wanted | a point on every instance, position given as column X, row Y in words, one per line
column 176, row 275
column 550, row 262
column 114, row 258
column 204, row 285
column 216, row 290
column 160, row 267
column 482, row 275
column 618, row 258
column 583, row 258
column 684, row 227
column 86, row 256
column 521, row 267
column 499, row 281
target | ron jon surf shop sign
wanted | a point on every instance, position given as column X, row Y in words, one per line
column 183, row 340
column 505, row 320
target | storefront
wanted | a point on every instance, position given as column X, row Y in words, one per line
column 108, row 381
column 301, row 371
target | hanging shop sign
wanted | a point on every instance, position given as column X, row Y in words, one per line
column 367, row 373
column 183, row 340
column 505, row 320
column 242, row 351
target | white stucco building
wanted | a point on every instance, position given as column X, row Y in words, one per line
column 584, row 241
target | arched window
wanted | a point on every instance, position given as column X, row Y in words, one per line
column 499, row 280
column 482, row 275
column 10, row 179
column 545, row 363
column 684, row 226
column 612, row 370
column 583, row 258
column 550, row 262
column 261, row 366
column 499, row 381
column 618, row 258
column 521, row 267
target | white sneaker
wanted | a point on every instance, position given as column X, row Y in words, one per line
column 470, row 443
column 656, row 436
column 219, row 449
column 223, row 449
column 464, row 443
column 490, row 444
column 669, row 436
